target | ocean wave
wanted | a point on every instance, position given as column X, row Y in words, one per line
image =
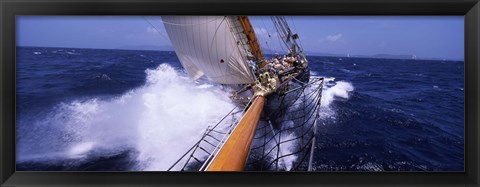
column 159, row 120
column 332, row 91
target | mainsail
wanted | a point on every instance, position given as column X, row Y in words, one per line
column 213, row 46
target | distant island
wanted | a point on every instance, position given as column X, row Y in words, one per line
column 381, row 56
column 384, row 56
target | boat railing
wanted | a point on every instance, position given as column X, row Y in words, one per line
column 202, row 151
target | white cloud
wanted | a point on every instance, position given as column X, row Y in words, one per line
column 332, row 38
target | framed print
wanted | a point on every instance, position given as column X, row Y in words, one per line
column 239, row 93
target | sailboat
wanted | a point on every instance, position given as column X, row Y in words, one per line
column 275, row 95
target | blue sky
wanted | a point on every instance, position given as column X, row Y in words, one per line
column 424, row 36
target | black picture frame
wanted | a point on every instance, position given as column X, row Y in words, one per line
column 11, row 8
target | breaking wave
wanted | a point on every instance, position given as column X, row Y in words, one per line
column 332, row 91
column 158, row 121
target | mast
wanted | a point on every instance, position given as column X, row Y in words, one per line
column 252, row 39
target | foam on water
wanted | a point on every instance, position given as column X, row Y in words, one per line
column 81, row 149
column 159, row 120
column 335, row 89
column 332, row 90
column 285, row 150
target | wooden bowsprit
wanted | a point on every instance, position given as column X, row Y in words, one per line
column 233, row 154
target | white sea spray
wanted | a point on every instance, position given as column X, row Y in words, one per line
column 160, row 121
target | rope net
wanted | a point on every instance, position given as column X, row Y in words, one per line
column 284, row 139
column 285, row 136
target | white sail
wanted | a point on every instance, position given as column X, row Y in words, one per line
column 208, row 45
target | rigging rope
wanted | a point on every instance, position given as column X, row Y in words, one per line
column 161, row 34
column 269, row 37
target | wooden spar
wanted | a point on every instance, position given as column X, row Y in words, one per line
column 252, row 39
column 233, row 154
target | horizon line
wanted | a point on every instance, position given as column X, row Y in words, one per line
column 329, row 54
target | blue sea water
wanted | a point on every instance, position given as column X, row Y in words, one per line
column 98, row 109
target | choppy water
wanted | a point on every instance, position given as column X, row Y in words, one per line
column 92, row 109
